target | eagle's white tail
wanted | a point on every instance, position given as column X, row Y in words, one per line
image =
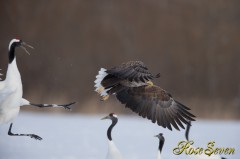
column 99, row 88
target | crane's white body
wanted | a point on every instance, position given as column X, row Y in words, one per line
column 158, row 155
column 113, row 152
column 11, row 94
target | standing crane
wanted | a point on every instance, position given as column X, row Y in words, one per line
column 113, row 152
column 11, row 91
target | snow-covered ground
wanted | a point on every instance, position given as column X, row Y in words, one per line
column 84, row 137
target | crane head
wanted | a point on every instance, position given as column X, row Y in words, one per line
column 19, row 43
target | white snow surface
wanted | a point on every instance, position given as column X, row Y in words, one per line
column 77, row 136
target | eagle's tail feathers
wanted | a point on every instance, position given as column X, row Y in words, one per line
column 99, row 88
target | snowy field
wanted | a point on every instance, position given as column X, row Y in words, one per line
column 84, row 137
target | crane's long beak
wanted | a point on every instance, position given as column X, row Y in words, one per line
column 106, row 117
column 25, row 44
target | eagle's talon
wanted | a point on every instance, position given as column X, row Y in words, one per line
column 100, row 90
column 103, row 98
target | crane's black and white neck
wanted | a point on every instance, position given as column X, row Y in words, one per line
column 13, row 73
column 160, row 146
column 113, row 152
column 11, row 49
column 114, row 119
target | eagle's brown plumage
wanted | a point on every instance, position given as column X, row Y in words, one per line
column 131, row 82
column 132, row 71
column 156, row 104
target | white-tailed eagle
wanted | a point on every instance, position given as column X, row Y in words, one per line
column 132, row 85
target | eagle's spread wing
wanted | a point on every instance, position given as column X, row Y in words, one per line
column 155, row 104
column 132, row 71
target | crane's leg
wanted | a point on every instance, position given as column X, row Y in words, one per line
column 65, row 106
column 30, row 135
